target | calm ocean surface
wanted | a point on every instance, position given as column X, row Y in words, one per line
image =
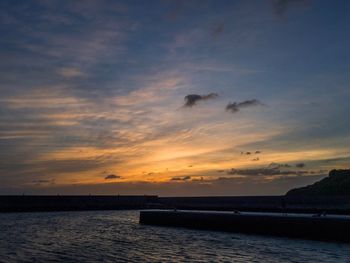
column 116, row 236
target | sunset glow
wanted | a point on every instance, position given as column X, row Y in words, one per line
column 197, row 98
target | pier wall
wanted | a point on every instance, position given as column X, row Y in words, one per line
column 295, row 204
column 308, row 227
column 73, row 203
column 29, row 203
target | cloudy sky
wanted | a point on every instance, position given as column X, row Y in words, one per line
column 172, row 97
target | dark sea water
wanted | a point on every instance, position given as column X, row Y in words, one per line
column 116, row 236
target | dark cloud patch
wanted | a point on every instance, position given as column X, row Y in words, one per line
column 282, row 6
column 250, row 153
column 176, row 9
column 200, row 179
column 249, row 103
column 256, row 159
column 232, row 107
column 179, row 178
column 300, row 165
column 192, row 99
column 237, row 106
column 40, row 181
column 218, row 30
column 112, row 176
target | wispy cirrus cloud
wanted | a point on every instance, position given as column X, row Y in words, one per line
column 70, row 72
column 183, row 178
column 265, row 172
column 86, row 89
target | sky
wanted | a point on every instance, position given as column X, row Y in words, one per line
column 174, row 98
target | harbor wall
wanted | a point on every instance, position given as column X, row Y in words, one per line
column 73, row 203
column 31, row 203
column 325, row 228
column 293, row 204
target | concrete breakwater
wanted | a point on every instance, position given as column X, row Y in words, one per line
column 32, row 203
column 307, row 226
column 290, row 204
column 73, row 203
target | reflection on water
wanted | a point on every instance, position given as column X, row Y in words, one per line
column 116, row 236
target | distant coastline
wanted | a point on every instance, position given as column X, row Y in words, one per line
column 330, row 195
column 292, row 204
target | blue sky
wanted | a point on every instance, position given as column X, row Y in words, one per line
column 91, row 89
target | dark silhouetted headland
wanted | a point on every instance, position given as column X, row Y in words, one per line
column 336, row 184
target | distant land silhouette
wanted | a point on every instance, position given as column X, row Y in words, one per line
column 331, row 194
column 336, row 184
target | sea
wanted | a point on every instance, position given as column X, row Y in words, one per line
column 117, row 236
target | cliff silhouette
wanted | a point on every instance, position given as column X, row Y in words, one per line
column 337, row 183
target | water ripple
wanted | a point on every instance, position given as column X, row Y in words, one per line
column 116, row 236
